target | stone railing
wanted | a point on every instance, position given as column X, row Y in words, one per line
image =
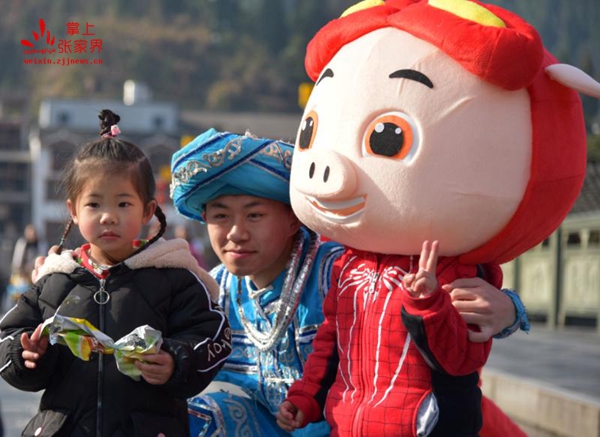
column 560, row 279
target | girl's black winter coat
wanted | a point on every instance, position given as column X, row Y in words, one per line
column 160, row 287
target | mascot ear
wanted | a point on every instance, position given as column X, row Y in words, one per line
column 574, row 78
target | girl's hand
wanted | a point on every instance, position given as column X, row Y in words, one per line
column 158, row 368
column 289, row 418
column 34, row 347
column 424, row 282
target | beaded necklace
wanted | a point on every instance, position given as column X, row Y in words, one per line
column 291, row 291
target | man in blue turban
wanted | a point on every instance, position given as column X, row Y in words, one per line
column 273, row 279
column 221, row 163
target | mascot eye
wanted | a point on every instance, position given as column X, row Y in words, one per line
column 308, row 131
column 390, row 135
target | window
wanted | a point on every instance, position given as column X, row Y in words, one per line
column 63, row 118
column 14, row 177
column 13, row 216
column 53, row 190
column 594, row 239
column 19, row 214
column 574, row 239
column 10, row 137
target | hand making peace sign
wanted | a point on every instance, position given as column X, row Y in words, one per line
column 424, row 282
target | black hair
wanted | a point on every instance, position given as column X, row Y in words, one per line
column 114, row 157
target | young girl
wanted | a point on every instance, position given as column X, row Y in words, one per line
column 118, row 284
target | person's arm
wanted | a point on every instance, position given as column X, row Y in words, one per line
column 307, row 396
column 198, row 338
column 437, row 329
column 26, row 360
column 521, row 320
column 498, row 313
column 41, row 260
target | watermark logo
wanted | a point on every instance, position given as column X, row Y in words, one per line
column 69, row 50
column 49, row 39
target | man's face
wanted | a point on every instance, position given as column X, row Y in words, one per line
column 252, row 236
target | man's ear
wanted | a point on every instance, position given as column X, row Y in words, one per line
column 72, row 211
column 295, row 223
column 149, row 211
column 203, row 214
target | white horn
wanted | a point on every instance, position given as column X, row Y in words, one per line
column 574, row 78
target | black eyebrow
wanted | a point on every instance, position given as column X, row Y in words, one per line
column 251, row 204
column 412, row 75
column 327, row 73
column 216, row 204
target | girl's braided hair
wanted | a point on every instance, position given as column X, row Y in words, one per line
column 111, row 156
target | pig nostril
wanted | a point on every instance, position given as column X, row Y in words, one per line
column 326, row 174
column 311, row 171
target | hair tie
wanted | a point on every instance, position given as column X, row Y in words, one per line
column 114, row 131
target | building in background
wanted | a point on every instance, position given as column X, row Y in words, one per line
column 36, row 144
column 15, row 177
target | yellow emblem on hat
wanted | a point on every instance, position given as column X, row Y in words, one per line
column 469, row 11
column 365, row 4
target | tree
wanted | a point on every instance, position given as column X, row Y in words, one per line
column 593, row 148
column 590, row 104
column 228, row 53
column 272, row 26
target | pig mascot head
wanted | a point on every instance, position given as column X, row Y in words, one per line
column 438, row 120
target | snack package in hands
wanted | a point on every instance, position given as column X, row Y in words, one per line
column 83, row 338
column 143, row 340
column 79, row 335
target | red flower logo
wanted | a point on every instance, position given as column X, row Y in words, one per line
column 49, row 41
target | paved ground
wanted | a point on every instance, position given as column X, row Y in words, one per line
column 17, row 408
column 565, row 362
column 550, row 379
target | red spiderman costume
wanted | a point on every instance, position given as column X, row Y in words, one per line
column 430, row 120
column 382, row 381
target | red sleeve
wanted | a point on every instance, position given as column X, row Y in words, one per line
column 439, row 331
column 320, row 370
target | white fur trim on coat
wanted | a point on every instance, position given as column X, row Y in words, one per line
column 163, row 253
column 173, row 253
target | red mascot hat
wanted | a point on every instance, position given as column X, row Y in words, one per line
column 507, row 53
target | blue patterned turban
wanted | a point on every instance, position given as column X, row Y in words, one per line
column 217, row 164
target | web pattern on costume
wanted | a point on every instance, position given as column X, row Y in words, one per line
column 382, row 377
column 371, row 367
